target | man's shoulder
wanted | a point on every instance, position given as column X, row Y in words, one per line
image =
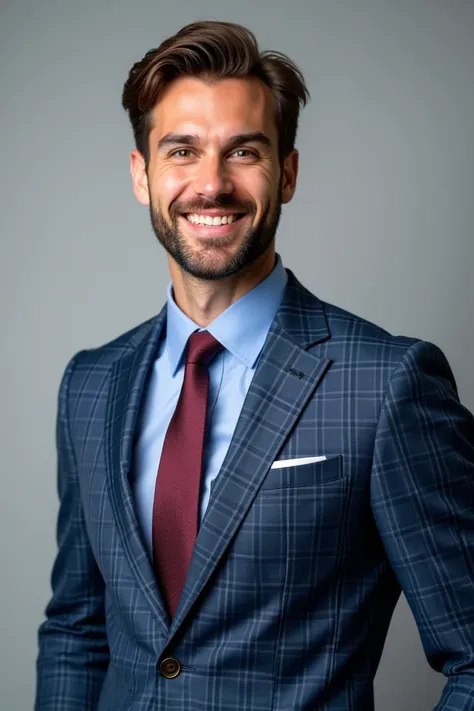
column 348, row 330
column 343, row 327
column 357, row 344
column 347, row 326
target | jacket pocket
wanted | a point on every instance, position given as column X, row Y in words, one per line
column 315, row 474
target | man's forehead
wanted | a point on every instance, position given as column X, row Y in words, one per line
column 223, row 108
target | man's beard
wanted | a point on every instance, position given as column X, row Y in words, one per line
column 254, row 244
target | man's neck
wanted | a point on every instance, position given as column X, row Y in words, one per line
column 203, row 300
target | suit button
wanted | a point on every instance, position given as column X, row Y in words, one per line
column 170, row 668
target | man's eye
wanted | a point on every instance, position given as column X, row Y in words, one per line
column 247, row 153
column 181, row 153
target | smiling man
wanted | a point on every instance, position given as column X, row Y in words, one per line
column 250, row 479
column 215, row 185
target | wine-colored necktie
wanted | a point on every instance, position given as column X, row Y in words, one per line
column 176, row 501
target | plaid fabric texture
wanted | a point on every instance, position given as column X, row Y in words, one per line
column 296, row 570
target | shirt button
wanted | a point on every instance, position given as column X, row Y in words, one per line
column 170, row 668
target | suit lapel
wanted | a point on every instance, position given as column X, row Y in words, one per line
column 285, row 378
column 128, row 381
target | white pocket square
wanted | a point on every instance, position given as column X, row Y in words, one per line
column 279, row 463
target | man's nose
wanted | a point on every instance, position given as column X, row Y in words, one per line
column 212, row 178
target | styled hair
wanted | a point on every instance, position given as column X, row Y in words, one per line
column 213, row 50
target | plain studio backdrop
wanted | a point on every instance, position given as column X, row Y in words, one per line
column 381, row 225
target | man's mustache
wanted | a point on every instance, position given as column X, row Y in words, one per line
column 224, row 203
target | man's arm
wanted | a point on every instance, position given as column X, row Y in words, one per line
column 73, row 651
column 422, row 494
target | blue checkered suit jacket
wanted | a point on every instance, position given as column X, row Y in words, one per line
column 296, row 570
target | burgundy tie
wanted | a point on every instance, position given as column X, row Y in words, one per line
column 176, row 502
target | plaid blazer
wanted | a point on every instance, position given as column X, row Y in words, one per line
column 296, row 570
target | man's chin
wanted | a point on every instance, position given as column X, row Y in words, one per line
column 209, row 265
column 212, row 258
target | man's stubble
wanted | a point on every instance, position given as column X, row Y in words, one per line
column 254, row 244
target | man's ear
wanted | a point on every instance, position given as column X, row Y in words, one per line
column 290, row 173
column 139, row 177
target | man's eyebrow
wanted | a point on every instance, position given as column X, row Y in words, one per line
column 250, row 137
column 171, row 139
column 188, row 139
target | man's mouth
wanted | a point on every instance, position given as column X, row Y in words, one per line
column 213, row 224
column 198, row 218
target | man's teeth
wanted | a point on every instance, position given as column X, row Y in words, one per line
column 208, row 220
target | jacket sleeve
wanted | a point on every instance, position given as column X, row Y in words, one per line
column 422, row 492
column 73, row 652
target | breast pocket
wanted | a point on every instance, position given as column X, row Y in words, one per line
column 303, row 475
column 294, row 531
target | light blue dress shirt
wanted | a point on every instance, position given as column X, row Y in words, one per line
column 242, row 329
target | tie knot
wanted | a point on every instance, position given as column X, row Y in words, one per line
column 202, row 347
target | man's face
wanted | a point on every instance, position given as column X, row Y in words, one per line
column 214, row 158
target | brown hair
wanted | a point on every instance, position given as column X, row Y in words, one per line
column 213, row 50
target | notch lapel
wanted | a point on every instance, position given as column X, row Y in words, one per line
column 128, row 380
column 284, row 380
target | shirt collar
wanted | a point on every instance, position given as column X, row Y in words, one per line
column 242, row 328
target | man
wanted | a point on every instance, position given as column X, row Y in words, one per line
column 248, row 480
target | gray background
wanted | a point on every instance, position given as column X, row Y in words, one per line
column 381, row 225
